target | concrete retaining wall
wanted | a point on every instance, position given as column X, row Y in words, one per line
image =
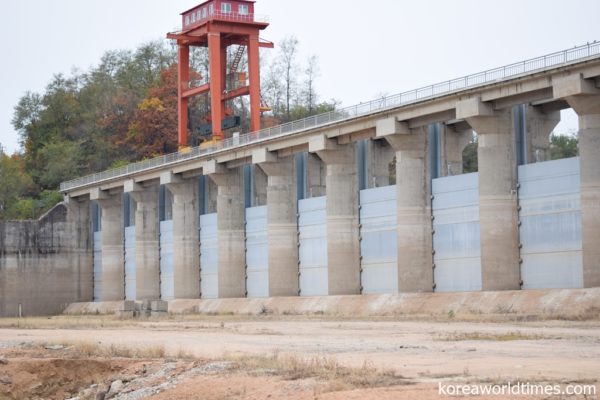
column 45, row 264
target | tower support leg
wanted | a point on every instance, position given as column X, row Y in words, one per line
column 183, row 69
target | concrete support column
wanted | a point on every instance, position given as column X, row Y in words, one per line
column 186, row 258
column 147, row 261
column 113, row 262
column 498, row 215
column 583, row 96
column 230, row 228
column 282, row 229
column 589, row 152
column 539, row 125
column 379, row 158
column 343, row 249
column 455, row 139
column 78, row 222
column 413, row 183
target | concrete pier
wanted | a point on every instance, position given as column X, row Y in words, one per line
column 413, row 192
column 79, row 229
column 589, row 145
column 146, row 240
column 186, row 260
column 230, row 229
column 342, row 214
column 281, row 222
column 113, row 273
column 583, row 95
column 497, row 193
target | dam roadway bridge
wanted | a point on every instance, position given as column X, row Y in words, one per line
column 366, row 199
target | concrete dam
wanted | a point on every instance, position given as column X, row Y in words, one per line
column 361, row 200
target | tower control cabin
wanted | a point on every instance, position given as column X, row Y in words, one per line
column 218, row 24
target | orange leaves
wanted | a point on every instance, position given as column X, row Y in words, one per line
column 152, row 103
column 153, row 127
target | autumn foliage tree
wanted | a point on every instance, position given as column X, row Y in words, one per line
column 153, row 128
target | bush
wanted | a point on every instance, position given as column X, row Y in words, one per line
column 21, row 209
column 33, row 208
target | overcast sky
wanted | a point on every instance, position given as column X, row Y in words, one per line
column 365, row 49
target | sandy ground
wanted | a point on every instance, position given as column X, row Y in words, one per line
column 424, row 353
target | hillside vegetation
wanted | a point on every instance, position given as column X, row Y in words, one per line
column 125, row 109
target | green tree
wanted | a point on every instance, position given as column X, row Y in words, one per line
column 21, row 209
column 303, row 110
column 52, row 117
column 60, row 159
column 46, row 200
column 81, row 123
column 563, row 146
column 15, row 182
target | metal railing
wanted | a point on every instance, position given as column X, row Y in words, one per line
column 235, row 16
column 565, row 57
column 228, row 16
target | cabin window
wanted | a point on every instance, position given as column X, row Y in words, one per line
column 187, row 19
column 226, row 8
column 198, row 15
column 204, row 12
column 210, row 9
column 193, row 17
column 243, row 9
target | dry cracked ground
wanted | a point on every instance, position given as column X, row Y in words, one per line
column 283, row 357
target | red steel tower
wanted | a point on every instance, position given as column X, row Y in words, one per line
column 218, row 24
